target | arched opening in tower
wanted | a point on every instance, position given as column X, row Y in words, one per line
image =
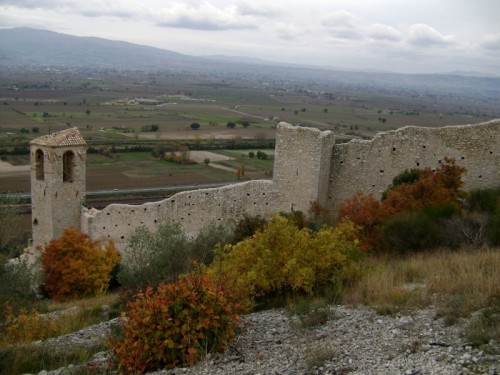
column 39, row 159
column 68, row 166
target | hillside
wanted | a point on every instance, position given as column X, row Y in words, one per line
column 22, row 47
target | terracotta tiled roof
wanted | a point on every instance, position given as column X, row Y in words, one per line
column 68, row 137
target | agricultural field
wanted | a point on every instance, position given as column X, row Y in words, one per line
column 116, row 112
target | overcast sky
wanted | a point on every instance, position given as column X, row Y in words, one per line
column 424, row 36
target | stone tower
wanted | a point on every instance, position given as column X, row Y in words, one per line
column 302, row 166
column 57, row 183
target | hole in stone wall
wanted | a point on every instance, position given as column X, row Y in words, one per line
column 424, row 146
column 381, row 171
column 491, row 152
column 341, row 162
column 122, row 237
column 172, row 201
column 394, row 149
column 108, row 213
column 418, row 164
column 463, row 157
column 145, row 209
column 248, row 194
column 480, row 176
column 103, row 228
column 35, row 222
column 156, row 221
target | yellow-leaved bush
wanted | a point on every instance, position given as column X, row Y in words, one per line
column 283, row 258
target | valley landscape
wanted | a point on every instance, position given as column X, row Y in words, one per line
column 157, row 122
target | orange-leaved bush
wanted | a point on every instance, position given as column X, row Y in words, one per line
column 437, row 192
column 175, row 325
column 75, row 266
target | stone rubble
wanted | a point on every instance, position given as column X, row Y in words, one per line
column 354, row 341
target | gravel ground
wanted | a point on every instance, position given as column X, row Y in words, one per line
column 353, row 341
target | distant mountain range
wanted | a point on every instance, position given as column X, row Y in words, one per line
column 21, row 47
column 25, row 46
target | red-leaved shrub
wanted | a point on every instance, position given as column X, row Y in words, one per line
column 175, row 325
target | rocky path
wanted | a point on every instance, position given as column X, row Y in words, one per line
column 354, row 341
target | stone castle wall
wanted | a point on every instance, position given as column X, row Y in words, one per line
column 370, row 166
column 192, row 209
column 309, row 166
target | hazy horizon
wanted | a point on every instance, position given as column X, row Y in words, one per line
column 380, row 35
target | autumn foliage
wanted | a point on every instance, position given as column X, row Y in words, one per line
column 175, row 325
column 282, row 258
column 75, row 266
column 430, row 192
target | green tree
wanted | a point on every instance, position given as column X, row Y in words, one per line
column 153, row 258
column 10, row 232
column 195, row 126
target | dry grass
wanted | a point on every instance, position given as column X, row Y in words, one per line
column 28, row 326
column 457, row 282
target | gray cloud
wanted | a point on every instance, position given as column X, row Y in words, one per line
column 202, row 17
column 247, row 9
column 491, row 42
column 384, row 33
column 88, row 8
column 343, row 25
column 425, row 35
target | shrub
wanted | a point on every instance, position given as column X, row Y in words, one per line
column 10, row 232
column 410, row 231
column 282, row 258
column 75, row 266
column 211, row 236
column 319, row 216
column 154, row 258
column 247, row 226
column 175, row 325
column 435, row 194
column 364, row 211
column 151, row 258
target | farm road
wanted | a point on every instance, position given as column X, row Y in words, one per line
column 7, row 168
column 200, row 156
